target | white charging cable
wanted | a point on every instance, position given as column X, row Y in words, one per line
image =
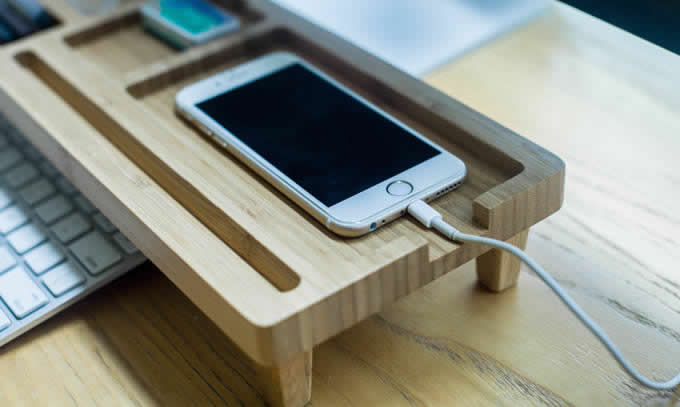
column 433, row 219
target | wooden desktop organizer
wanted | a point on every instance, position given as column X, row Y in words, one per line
column 95, row 95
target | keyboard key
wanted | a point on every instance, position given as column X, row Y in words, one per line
column 8, row 158
column 20, row 293
column 70, row 227
column 4, row 321
column 11, row 218
column 5, row 198
column 95, row 252
column 48, row 169
column 54, row 209
column 84, row 205
column 44, row 257
column 63, row 278
column 104, row 223
column 13, row 133
column 125, row 243
column 6, row 259
column 65, row 186
column 31, row 152
column 21, row 175
column 25, row 238
column 37, row 191
column 4, row 128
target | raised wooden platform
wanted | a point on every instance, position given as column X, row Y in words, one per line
column 96, row 96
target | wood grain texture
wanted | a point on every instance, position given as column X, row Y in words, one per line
column 498, row 270
column 602, row 99
column 288, row 384
column 119, row 83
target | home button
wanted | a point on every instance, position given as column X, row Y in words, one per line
column 399, row 188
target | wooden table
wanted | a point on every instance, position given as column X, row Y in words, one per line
column 606, row 102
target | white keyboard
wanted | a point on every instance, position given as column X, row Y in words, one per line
column 55, row 246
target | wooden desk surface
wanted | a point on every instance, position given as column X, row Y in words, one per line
column 609, row 105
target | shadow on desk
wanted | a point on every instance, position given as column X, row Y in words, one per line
column 140, row 341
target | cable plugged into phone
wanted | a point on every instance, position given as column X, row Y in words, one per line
column 430, row 218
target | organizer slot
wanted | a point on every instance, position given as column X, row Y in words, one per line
column 277, row 273
column 157, row 91
column 120, row 44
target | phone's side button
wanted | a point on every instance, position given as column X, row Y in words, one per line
column 220, row 141
column 205, row 129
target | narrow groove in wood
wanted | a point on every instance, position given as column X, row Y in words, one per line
column 148, row 80
column 268, row 265
column 105, row 26
column 130, row 15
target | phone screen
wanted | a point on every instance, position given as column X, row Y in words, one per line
column 328, row 142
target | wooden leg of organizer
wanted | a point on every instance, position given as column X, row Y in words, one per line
column 498, row 270
column 289, row 384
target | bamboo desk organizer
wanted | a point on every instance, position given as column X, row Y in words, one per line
column 95, row 95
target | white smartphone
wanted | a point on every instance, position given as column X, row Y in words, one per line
column 349, row 164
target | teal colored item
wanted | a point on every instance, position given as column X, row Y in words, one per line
column 194, row 16
column 184, row 23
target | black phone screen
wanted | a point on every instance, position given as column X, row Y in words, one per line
column 326, row 141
